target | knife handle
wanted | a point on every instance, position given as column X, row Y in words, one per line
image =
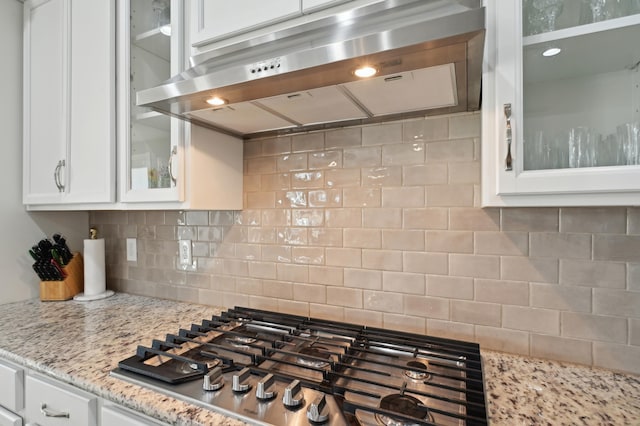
column 57, row 257
column 34, row 255
column 58, row 269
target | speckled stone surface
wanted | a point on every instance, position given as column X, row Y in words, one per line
column 529, row 391
column 81, row 342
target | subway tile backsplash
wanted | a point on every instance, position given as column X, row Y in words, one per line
column 381, row 225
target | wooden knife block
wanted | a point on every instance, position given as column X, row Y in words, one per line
column 67, row 288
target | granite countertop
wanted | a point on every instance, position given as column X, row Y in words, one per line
column 81, row 342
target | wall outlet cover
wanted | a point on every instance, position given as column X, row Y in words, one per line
column 184, row 252
column 132, row 250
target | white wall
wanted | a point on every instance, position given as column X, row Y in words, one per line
column 20, row 230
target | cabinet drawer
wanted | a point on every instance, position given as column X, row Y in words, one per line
column 11, row 387
column 116, row 416
column 46, row 398
column 7, row 418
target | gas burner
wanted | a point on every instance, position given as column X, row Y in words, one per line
column 403, row 404
column 418, row 365
column 240, row 341
column 280, row 369
column 186, row 367
column 317, row 352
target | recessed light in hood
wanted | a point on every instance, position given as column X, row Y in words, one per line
column 217, row 101
column 428, row 54
column 365, row 71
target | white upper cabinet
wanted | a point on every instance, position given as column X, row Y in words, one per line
column 164, row 162
column 149, row 52
column 309, row 6
column 563, row 129
column 69, row 102
column 216, row 19
column 215, row 23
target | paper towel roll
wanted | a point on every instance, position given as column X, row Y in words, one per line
column 94, row 269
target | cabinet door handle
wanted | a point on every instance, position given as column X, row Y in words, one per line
column 174, row 152
column 56, row 176
column 509, row 134
column 51, row 413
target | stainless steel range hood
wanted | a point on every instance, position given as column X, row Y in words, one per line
column 428, row 54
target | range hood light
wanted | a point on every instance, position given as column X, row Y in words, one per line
column 216, row 101
column 365, row 71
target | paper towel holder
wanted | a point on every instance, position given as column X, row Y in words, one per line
column 94, row 266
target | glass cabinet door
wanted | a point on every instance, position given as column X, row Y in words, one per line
column 580, row 80
column 153, row 139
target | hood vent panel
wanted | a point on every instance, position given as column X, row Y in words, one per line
column 419, row 90
column 315, row 106
column 428, row 54
column 241, row 118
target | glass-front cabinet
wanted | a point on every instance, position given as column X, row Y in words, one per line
column 151, row 33
column 561, row 103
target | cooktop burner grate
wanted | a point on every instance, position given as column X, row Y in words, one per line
column 344, row 374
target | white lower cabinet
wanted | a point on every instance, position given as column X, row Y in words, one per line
column 31, row 399
column 8, row 418
column 11, row 387
column 11, row 394
column 52, row 403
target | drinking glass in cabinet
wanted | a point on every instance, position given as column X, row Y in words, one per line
column 602, row 10
column 582, row 147
column 540, row 15
column 544, row 150
column 609, row 152
column 629, row 140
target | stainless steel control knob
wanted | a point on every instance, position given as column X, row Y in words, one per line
column 318, row 412
column 265, row 388
column 240, row 383
column 213, row 380
column 293, row 396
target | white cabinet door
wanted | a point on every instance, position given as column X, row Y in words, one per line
column 566, row 110
column 69, row 102
column 162, row 163
column 49, row 403
column 216, row 19
column 148, row 54
column 45, row 125
column 91, row 168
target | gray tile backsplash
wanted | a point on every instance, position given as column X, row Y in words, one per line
column 381, row 225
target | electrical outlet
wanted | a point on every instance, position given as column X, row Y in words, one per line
column 184, row 248
column 132, row 250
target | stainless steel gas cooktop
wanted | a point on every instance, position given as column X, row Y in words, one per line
column 276, row 369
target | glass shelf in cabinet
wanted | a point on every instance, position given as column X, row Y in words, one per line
column 595, row 27
column 583, row 53
column 154, row 119
column 154, row 41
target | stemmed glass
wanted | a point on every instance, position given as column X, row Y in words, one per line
column 601, row 10
column 160, row 8
column 541, row 15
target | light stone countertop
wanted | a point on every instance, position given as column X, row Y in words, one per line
column 81, row 342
